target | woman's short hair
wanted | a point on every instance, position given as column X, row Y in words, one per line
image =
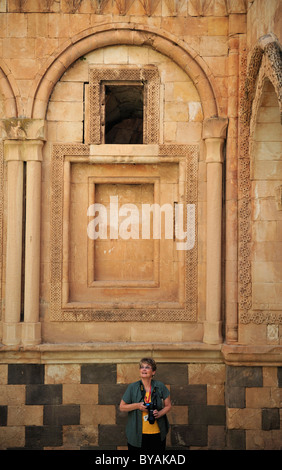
column 150, row 361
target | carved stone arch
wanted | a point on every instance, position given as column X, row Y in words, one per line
column 269, row 71
column 8, row 93
column 8, row 109
column 267, row 50
column 265, row 63
column 117, row 34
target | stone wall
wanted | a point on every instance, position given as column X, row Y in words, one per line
column 179, row 119
column 253, row 406
column 187, row 42
column 75, row 406
column 200, row 51
column 213, row 115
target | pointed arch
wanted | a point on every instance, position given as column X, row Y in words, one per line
column 122, row 34
column 265, row 63
column 269, row 48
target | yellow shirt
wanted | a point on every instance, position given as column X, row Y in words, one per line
column 148, row 428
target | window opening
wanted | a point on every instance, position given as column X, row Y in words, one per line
column 124, row 114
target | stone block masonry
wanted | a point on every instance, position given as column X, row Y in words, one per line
column 253, row 407
column 77, row 313
column 76, row 406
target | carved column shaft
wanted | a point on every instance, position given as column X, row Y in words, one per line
column 31, row 326
column 231, row 255
column 214, row 135
column 23, row 147
column 11, row 324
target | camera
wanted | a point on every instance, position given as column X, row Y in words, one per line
column 151, row 407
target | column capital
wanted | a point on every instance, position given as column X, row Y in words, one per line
column 22, row 129
column 214, row 150
column 26, row 150
column 215, row 128
column 214, row 134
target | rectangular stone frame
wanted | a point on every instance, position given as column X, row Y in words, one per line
column 1, row 220
column 91, row 200
column 147, row 75
column 62, row 155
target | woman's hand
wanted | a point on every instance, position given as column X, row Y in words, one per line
column 164, row 410
column 132, row 406
column 141, row 406
column 156, row 414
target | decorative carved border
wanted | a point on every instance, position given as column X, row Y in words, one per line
column 148, row 75
column 265, row 62
column 1, row 219
column 57, row 312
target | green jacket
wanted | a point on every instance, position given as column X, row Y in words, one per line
column 134, row 424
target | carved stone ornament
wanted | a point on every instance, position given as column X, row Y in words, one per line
column 265, row 63
column 23, row 129
column 60, row 308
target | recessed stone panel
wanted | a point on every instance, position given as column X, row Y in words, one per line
column 131, row 259
column 121, row 252
column 114, row 226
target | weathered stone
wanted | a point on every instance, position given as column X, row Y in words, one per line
column 59, row 415
column 206, row 373
column 3, row 415
column 235, row 397
column 80, row 394
column 246, row 418
column 43, row 394
column 184, row 436
column 172, row 373
column 244, row 376
column 76, row 437
column 270, row 419
column 208, row 415
column 188, row 394
column 111, row 394
column 25, row 374
column 12, row 395
column 12, row 437
column 62, row 373
column 98, row 373
column 78, row 314
column 236, row 439
column 30, row 415
column 279, row 376
column 38, row 437
column 216, row 437
column 98, row 414
column 112, row 435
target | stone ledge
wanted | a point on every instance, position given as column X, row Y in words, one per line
column 244, row 355
column 120, row 352
column 124, row 149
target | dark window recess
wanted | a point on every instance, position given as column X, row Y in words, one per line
column 124, row 114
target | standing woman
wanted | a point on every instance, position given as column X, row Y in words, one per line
column 141, row 433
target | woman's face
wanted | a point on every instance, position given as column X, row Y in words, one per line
column 146, row 371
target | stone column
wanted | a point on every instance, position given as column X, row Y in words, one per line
column 231, row 228
column 23, row 146
column 31, row 333
column 11, row 323
column 214, row 132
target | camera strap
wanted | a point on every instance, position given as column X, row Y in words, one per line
column 143, row 392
